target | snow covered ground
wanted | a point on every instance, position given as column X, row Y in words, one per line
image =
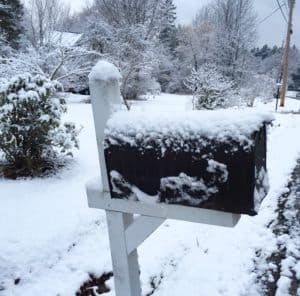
column 50, row 241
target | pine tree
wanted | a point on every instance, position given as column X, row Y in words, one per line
column 31, row 132
column 11, row 16
column 168, row 34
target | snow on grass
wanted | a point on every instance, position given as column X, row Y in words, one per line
column 165, row 102
column 291, row 106
column 75, row 98
column 51, row 240
column 41, row 219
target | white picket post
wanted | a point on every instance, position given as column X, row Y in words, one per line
column 104, row 82
column 125, row 266
column 106, row 97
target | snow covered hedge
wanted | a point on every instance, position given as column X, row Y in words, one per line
column 31, row 132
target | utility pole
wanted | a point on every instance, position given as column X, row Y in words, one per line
column 279, row 79
column 286, row 53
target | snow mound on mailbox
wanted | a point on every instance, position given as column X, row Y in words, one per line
column 208, row 159
column 176, row 130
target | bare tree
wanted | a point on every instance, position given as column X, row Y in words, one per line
column 235, row 35
column 131, row 13
column 128, row 33
column 56, row 63
column 196, row 41
column 44, row 17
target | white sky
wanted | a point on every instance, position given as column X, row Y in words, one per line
column 271, row 31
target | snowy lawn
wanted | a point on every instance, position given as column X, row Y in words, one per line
column 50, row 240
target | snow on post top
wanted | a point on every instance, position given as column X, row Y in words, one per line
column 104, row 71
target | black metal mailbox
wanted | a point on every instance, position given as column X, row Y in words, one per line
column 223, row 176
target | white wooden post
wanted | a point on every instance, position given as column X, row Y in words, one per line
column 106, row 98
column 125, row 232
column 125, row 266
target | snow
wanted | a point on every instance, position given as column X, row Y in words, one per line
column 144, row 197
column 185, row 188
column 53, row 214
column 260, row 192
column 95, row 184
column 51, row 240
column 177, row 129
column 291, row 106
column 65, row 39
column 183, row 184
column 283, row 286
column 215, row 166
column 104, row 71
column 120, row 186
column 75, row 98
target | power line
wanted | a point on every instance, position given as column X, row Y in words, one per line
column 271, row 14
column 281, row 10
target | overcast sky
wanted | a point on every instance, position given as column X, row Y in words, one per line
column 271, row 31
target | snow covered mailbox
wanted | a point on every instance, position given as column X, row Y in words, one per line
column 200, row 166
column 209, row 159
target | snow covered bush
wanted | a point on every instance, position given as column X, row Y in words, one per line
column 31, row 132
column 266, row 87
column 55, row 62
column 260, row 87
column 210, row 88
